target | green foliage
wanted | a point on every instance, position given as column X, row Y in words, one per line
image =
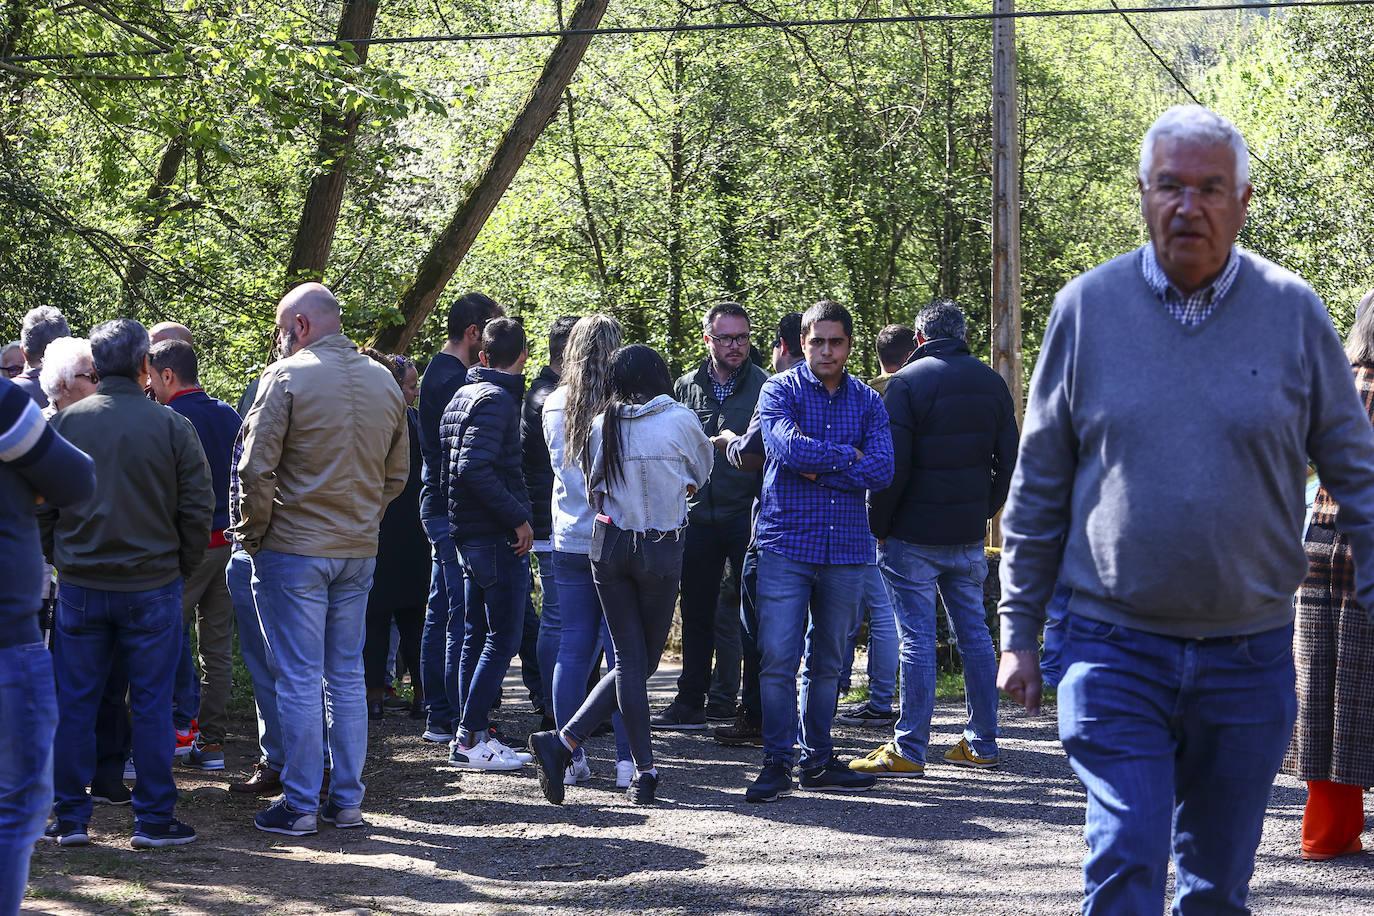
column 775, row 167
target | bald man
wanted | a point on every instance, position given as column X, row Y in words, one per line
column 325, row 448
column 170, row 330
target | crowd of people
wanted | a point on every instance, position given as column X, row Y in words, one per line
column 1153, row 545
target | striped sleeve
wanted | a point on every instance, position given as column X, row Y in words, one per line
column 24, row 434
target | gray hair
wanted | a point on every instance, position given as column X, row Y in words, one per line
column 12, row 345
column 1200, row 125
column 41, row 327
column 942, row 318
column 1359, row 343
column 119, row 347
column 65, row 358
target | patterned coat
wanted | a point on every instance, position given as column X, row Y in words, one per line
column 1333, row 648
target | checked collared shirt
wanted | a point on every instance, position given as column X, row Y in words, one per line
column 723, row 390
column 807, row 430
column 1189, row 310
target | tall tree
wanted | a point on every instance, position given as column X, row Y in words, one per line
column 480, row 198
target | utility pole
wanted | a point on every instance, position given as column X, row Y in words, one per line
column 1006, row 218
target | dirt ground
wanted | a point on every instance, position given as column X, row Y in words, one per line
column 441, row 841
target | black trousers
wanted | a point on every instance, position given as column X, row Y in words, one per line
column 410, row 621
column 703, row 563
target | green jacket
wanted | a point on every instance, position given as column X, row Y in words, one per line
column 730, row 491
column 149, row 519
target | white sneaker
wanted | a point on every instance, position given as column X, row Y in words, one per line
column 521, row 756
column 578, row 771
column 624, row 773
column 482, row 756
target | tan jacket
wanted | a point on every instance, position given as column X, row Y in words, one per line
column 325, row 449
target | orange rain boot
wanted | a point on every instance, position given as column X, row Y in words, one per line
column 1332, row 821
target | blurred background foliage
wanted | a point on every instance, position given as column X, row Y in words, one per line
column 771, row 166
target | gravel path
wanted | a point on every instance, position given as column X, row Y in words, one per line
column 1006, row 841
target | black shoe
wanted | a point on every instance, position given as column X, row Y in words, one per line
column 509, row 741
column 679, row 717
column 641, row 791
column 774, row 781
column 865, row 716
column 376, row 709
column 546, row 724
column 744, row 733
column 156, row 836
column 720, row 712
column 67, row 833
column 115, row 793
column 551, row 759
column 836, row 777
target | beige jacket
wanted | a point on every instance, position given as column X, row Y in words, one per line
column 325, row 449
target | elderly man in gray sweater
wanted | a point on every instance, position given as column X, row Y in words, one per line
column 1156, row 511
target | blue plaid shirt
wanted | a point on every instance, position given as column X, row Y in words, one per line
column 807, row 430
column 1188, row 310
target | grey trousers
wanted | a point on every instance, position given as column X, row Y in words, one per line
column 637, row 578
column 206, row 600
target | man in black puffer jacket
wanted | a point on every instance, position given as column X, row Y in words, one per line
column 489, row 514
column 954, row 438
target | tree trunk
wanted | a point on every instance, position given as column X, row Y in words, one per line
column 323, row 200
column 137, row 270
column 677, row 167
column 486, row 190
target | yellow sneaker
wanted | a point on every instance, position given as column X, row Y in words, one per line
column 962, row 755
column 886, row 761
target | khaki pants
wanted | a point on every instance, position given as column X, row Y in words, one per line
column 207, row 602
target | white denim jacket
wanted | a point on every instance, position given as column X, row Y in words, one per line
column 662, row 451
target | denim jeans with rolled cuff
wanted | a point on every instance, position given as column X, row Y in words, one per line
column 496, row 585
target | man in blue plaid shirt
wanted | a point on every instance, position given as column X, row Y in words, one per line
column 829, row 441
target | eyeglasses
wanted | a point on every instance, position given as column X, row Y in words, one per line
column 734, row 340
column 12, row 371
column 88, row 376
column 1172, row 192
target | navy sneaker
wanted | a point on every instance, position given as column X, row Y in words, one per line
column 836, row 777
column 551, row 759
column 342, row 817
column 774, row 781
column 205, row 756
column 155, row 836
column 642, row 791
column 281, row 819
column 67, row 833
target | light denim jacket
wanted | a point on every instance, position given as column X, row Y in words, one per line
column 573, row 516
column 663, row 450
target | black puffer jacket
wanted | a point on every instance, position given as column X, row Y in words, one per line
column 537, row 468
column 954, row 439
column 481, row 474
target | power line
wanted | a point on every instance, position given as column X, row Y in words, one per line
column 737, row 26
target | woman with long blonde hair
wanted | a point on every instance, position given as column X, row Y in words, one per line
column 580, row 629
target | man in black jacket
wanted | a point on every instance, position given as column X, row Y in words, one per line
column 722, row 391
column 538, row 471
column 442, row 639
column 954, row 438
column 489, row 515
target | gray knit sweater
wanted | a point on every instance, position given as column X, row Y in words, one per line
column 1162, row 468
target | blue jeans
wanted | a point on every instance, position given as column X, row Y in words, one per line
column 583, row 637
column 550, row 626
column 314, row 612
column 787, row 589
column 1052, row 652
column 1177, row 742
column 186, row 685
column 93, row 625
column 882, row 641
column 497, row 587
column 28, row 719
column 441, row 642
column 239, row 577
column 915, row 572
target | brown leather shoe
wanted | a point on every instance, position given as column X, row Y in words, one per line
column 264, row 781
